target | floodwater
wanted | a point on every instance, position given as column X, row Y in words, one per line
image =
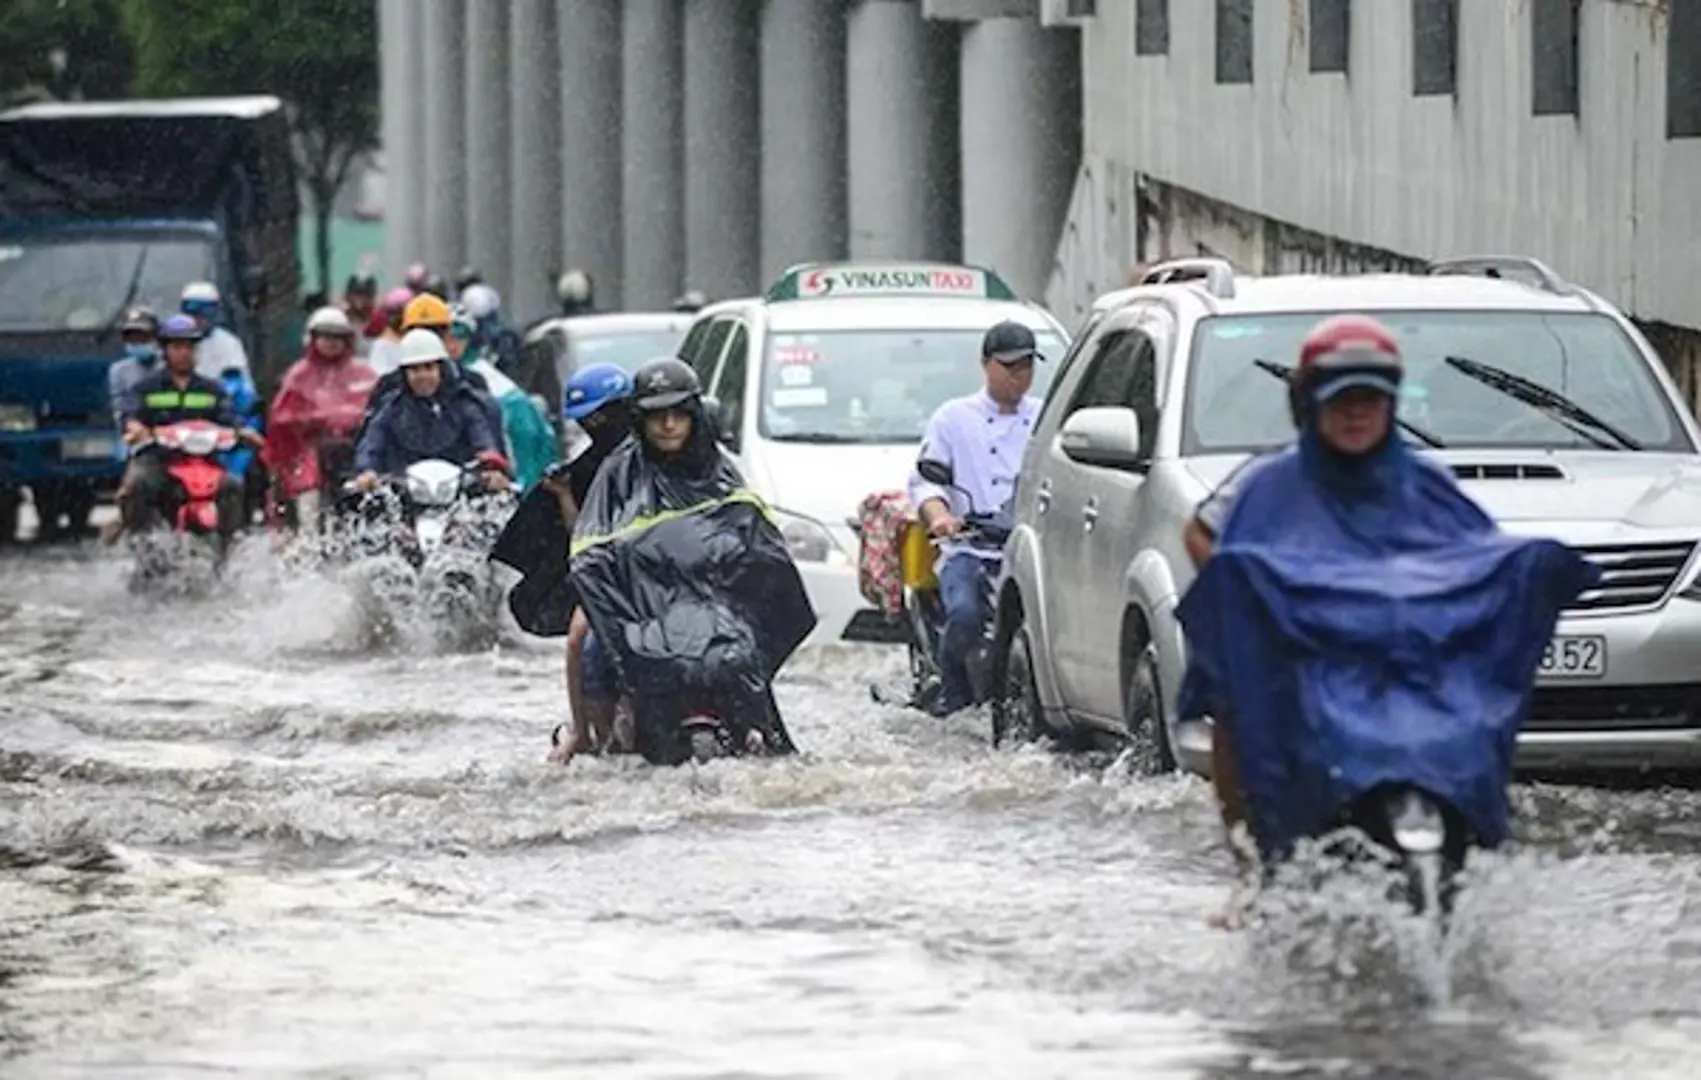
column 233, row 841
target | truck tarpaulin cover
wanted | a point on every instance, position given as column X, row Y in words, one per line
column 140, row 165
column 1388, row 638
column 687, row 583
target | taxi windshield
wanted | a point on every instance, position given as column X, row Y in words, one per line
column 626, row 349
column 874, row 386
column 1458, row 365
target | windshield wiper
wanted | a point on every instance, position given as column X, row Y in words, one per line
column 1551, row 402
column 1282, row 371
column 819, row 437
column 129, row 295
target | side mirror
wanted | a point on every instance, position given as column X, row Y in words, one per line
column 936, row 472
column 253, row 284
column 1105, row 435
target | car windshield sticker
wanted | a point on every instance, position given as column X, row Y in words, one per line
column 800, row 397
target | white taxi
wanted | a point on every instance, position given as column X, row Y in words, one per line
column 824, row 385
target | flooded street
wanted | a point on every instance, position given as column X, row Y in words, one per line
column 238, row 843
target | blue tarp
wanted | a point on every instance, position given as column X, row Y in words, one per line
column 1366, row 626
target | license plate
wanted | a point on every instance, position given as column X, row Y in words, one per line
column 83, row 449
column 1574, row 657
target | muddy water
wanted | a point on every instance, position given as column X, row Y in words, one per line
column 236, row 842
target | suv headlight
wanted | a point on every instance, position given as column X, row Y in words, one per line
column 808, row 539
column 17, row 418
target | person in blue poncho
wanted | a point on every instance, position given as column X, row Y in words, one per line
column 1357, row 619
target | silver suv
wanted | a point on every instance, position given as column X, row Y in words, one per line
column 1550, row 407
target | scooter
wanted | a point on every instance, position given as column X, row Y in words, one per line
column 195, row 446
column 1426, row 837
column 924, row 610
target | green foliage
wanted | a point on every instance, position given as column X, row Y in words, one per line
column 86, row 35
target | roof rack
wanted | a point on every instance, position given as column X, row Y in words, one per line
column 1497, row 266
column 1217, row 274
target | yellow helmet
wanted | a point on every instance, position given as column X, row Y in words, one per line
column 426, row 310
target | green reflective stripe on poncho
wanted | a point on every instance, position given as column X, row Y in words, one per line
column 660, row 517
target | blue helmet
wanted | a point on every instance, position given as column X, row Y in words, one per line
column 179, row 328
column 592, row 387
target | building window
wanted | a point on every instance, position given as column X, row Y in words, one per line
column 1331, row 35
column 1553, row 57
column 1151, row 28
column 1683, row 70
column 1435, row 46
column 1234, row 41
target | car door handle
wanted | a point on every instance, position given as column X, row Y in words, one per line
column 1091, row 513
column 1042, row 497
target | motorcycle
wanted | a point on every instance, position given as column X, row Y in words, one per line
column 193, row 448
column 924, row 610
column 1426, row 839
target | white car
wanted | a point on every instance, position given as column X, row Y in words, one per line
column 824, row 386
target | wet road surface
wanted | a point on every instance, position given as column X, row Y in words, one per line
column 234, row 841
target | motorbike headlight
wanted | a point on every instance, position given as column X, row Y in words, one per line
column 420, row 491
column 808, row 539
column 17, row 418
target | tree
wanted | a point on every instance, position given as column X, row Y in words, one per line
column 57, row 49
column 319, row 56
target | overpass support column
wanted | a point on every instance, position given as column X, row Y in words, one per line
column 401, row 81
column 488, row 127
column 803, row 133
column 1021, row 143
column 443, row 177
column 534, row 161
column 591, row 204
column 652, row 152
column 900, row 116
column 722, row 174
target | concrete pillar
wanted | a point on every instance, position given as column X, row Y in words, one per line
column 1021, row 143
column 722, row 189
column 803, row 133
column 443, row 176
column 400, row 70
column 534, row 84
column 488, row 194
column 590, row 58
column 901, row 118
column 652, row 152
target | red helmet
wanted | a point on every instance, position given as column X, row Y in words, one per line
column 1345, row 351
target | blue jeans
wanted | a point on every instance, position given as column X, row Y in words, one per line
column 961, row 592
column 597, row 676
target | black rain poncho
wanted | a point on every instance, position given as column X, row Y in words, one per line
column 691, row 589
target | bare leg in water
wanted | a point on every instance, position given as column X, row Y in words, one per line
column 592, row 720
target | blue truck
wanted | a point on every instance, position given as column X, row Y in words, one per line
column 106, row 205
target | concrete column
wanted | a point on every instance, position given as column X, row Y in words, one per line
column 534, row 84
column 590, row 59
column 1021, row 143
column 803, row 133
column 400, row 70
column 652, row 152
column 901, row 117
column 722, row 189
column 488, row 193
column 443, row 176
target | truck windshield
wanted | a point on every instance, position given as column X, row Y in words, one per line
column 1234, row 404
column 874, row 386
column 81, row 282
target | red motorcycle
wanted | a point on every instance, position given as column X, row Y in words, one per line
column 193, row 464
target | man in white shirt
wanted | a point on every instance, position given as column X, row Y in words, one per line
column 220, row 350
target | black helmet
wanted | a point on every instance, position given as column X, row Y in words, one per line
column 664, row 384
column 468, row 275
column 359, row 284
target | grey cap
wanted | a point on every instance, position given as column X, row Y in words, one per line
column 1009, row 342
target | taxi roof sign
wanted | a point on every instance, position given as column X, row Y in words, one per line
column 818, row 281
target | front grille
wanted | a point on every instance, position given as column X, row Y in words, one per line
column 1632, row 575
column 870, row 625
column 1508, row 471
column 1615, row 708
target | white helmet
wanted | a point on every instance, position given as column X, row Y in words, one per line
column 480, row 300
column 573, row 287
column 204, row 292
column 421, row 346
column 330, row 321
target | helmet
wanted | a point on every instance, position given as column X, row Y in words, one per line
column 397, row 299
column 467, row 275
column 140, row 320
column 436, row 286
column 200, row 292
column 573, row 287
column 461, row 321
column 421, row 347
column 361, row 285
column 690, row 300
column 179, row 328
column 416, row 276
column 592, row 387
column 1342, row 352
column 664, row 384
column 481, row 301
column 426, row 310
column 329, row 322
